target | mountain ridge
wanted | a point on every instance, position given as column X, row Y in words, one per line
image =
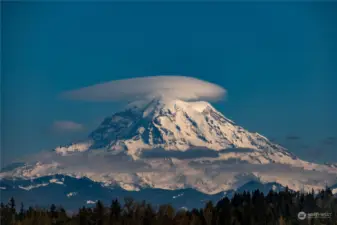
column 72, row 193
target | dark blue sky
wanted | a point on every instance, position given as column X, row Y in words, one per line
column 278, row 62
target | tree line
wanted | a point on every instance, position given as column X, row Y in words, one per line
column 275, row 208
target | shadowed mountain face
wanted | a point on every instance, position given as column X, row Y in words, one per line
column 72, row 193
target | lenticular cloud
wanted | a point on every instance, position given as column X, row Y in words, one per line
column 173, row 87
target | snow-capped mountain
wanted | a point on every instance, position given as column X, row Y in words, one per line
column 173, row 145
column 171, row 125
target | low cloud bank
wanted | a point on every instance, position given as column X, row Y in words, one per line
column 66, row 126
column 200, row 164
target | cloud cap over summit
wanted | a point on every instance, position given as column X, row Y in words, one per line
column 172, row 87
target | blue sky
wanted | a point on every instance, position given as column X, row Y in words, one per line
column 278, row 62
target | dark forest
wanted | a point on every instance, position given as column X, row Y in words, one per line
column 275, row 208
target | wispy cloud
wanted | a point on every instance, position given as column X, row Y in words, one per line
column 67, row 126
column 293, row 137
column 330, row 141
column 97, row 161
column 177, row 87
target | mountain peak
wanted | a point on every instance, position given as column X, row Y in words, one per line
column 167, row 103
column 169, row 124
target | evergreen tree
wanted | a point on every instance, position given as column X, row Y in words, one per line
column 98, row 216
column 12, row 210
column 115, row 211
column 22, row 212
column 208, row 213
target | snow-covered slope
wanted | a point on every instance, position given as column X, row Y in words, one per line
column 172, row 144
column 172, row 125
